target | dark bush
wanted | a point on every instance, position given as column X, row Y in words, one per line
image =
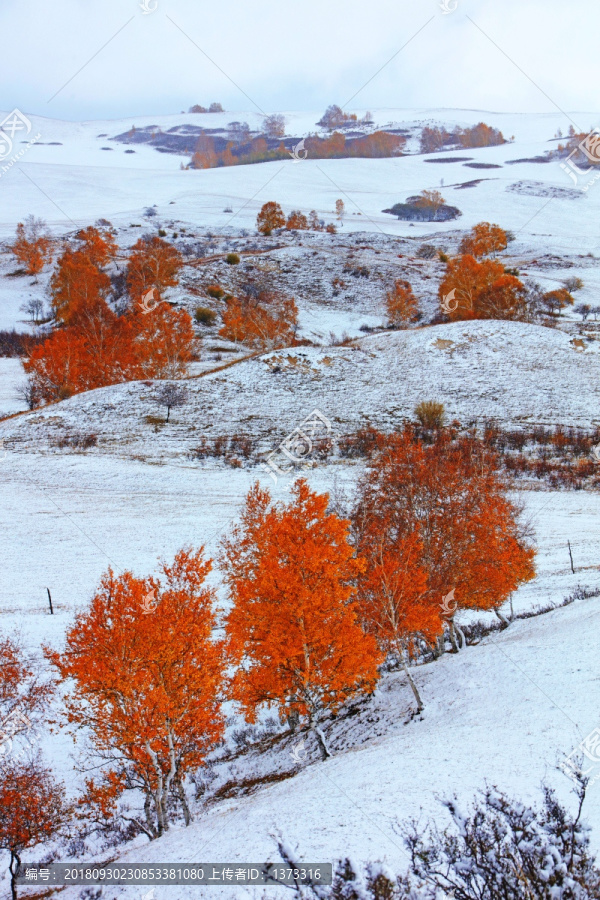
column 205, row 316
column 426, row 251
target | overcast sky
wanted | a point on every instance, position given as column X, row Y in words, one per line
column 297, row 55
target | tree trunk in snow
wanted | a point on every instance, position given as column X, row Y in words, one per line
column 187, row 814
column 415, row 691
column 503, row 619
column 453, row 640
column 322, row 742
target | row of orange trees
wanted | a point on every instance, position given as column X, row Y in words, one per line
column 317, row 603
column 476, row 285
column 93, row 345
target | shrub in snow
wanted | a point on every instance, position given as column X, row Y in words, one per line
column 504, row 849
column 500, row 850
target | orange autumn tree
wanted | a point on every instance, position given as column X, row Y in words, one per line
column 162, row 343
column 79, row 285
column 147, row 679
column 24, row 694
column 153, row 264
column 263, row 319
column 99, row 246
column 104, row 348
column 484, row 240
column 296, row 221
column 401, row 304
column 291, row 571
column 451, row 497
column 429, row 199
column 32, row 810
column 32, row 247
column 392, row 593
column 270, row 217
column 481, row 290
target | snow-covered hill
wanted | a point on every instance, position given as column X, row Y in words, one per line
column 509, row 371
column 70, row 179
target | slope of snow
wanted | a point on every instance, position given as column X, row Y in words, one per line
column 511, row 371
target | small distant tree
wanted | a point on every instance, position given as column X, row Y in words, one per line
column 153, row 263
column 238, row 133
column 291, row 570
column 573, row 283
column 197, row 108
column 402, row 305
column 583, row 310
column 314, row 223
column 34, row 307
column 556, row 301
column 340, row 211
column 215, row 108
column 335, row 117
column 32, row 247
column 429, row 199
column 484, row 240
column 172, row 396
column 269, row 218
column 297, row 221
column 32, row 810
column 274, row 126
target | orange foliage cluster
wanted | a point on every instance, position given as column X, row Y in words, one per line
column 295, row 621
column 480, row 290
column 484, row 240
column 32, row 249
column 317, row 604
column 480, row 135
column 431, row 519
column 32, row 805
column 378, row 145
column 402, row 305
column 95, row 346
column 153, row 263
column 426, row 199
column 263, row 321
column 148, row 678
column 271, row 216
